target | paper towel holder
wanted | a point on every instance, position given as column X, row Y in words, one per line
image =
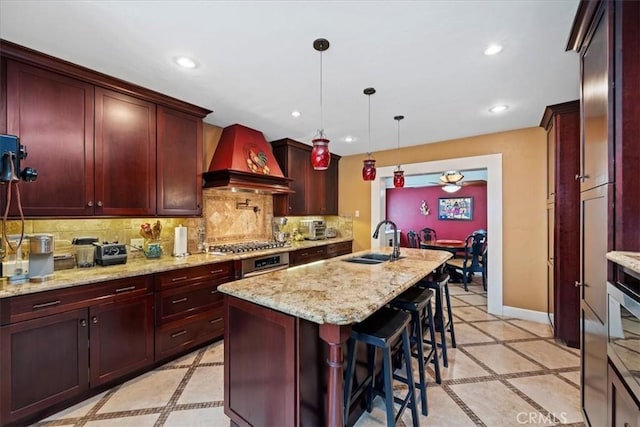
column 180, row 242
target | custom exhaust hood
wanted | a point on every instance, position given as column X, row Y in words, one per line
column 243, row 161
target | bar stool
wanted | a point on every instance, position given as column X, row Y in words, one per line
column 384, row 329
column 440, row 284
column 418, row 303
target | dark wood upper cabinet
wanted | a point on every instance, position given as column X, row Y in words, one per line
column 101, row 146
column 316, row 192
column 125, row 154
column 53, row 116
column 179, row 154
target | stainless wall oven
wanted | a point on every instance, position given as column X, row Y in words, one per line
column 264, row 264
column 623, row 346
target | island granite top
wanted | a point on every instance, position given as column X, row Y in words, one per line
column 334, row 291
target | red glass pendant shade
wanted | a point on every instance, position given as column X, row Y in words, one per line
column 320, row 155
column 369, row 169
column 398, row 178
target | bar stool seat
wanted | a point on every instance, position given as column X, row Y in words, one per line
column 441, row 286
column 418, row 303
column 384, row 329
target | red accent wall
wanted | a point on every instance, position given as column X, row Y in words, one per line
column 403, row 208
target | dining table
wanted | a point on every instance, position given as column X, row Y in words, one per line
column 450, row 245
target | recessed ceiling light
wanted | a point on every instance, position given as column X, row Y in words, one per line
column 296, row 114
column 186, row 62
column 493, row 49
column 498, row 108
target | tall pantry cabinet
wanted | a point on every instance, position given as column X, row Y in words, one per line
column 562, row 123
column 606, row 34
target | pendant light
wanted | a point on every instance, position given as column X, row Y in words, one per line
column 398, row 174
column 320, row 155
column 369, row 164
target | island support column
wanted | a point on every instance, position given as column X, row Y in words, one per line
column 335, row 336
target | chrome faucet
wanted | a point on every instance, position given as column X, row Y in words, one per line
column 396, row 247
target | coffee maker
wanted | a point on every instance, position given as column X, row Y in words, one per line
column 40, row 257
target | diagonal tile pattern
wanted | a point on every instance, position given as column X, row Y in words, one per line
column 504, row 372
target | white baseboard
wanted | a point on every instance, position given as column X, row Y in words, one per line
column 524, row 314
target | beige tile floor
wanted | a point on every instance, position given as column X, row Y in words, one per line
column 504, row 372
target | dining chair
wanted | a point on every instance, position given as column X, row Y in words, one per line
column 427, row 234
column 414, row 239
column 475, row 248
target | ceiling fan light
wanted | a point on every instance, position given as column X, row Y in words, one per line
column 451, row 177
column 451, row 188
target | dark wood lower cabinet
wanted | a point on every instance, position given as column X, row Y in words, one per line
column 593, row 369
column 43, row 362
column 121, row 338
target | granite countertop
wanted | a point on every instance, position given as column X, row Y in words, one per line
column 630, row 260
column 139, row 266
column 337, row 292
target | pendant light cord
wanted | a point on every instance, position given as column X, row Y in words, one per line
column 369, row 153
column 321, row 109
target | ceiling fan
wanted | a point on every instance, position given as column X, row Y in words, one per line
column 451, row 181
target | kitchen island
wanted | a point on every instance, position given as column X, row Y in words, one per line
column 283, row 329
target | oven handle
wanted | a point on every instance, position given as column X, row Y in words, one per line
column 269, row 270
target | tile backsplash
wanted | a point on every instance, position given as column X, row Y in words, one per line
column 227, row 217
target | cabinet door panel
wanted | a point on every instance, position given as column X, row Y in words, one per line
column 125, row 154
column 595, row 103
column 53, row 117
column 121, row 338
column 595, row 211
column 43, row 362
column 179, row 171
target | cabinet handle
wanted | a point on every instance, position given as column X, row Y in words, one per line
column 175, row 279
column 83, row 323
column 578, row 284
column 90, row 204
column 216, row 271
column 99, row 203
column 46, row 304
column 128, row 288
column 177, row 334
column 94, row 319
column 581, row 178
column 179, row 300
column 215, row 320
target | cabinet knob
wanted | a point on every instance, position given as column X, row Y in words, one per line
column 83, row 323
column 581, row 178
column 99, row 203
column 94, row 319
column 578, row 284
column 90, row 204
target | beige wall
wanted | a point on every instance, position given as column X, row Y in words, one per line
column 523, row 209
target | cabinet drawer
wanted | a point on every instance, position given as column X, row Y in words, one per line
column 171, row 304
column 337, row 249
column 305, row 256
column 25, row 307
column 219, row 272
column 184, row 334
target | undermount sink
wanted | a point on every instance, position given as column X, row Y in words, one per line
column 371, row 258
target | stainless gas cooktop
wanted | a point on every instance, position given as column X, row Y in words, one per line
column 247, row 246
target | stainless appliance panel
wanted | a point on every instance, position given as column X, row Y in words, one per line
column 624, row 335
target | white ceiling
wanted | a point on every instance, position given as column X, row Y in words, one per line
column 257, row 63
